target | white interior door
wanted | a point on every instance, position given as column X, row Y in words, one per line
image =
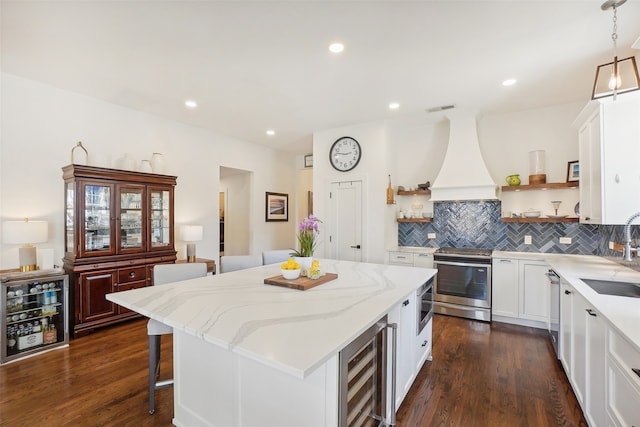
column 346, row 212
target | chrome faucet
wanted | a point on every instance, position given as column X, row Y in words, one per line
column 627, row 238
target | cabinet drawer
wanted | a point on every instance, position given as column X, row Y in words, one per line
column 126, row 287
column 623, row 399
column 400, row 258
column 127, row 275
column 423, row 345
column 626, row 355
column 423, row 260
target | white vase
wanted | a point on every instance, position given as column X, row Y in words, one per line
column 157, row 163
column 305, row 263
column 145, row 166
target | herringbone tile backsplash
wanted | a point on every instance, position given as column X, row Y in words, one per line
column 479, row 225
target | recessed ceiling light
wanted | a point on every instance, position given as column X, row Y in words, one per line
column 509, row 82
column 190, row 103
column 336, row 47
column 271, row 132
column 394, row 106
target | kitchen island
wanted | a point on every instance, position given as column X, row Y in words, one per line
column 250, row 354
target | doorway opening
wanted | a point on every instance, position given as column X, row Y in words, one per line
column 235, row 211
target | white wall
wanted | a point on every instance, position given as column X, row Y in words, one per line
column 41, row 124
column 372, row 170
column 412, row 150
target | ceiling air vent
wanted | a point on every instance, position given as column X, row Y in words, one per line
column 440, row 108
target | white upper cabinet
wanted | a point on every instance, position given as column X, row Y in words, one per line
column 609, row 145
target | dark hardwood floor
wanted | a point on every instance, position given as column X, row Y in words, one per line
column 481, row 375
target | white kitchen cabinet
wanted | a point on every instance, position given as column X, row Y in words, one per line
column 504, row 296
column 520, row 292
column 400, row 258
column 578, row 367
column 608, row 132
column 534, row 290
column 415, row 259
column 565, row 334
column 596, row 368
column 404, row 315
column 583, row 353
column 623, row 383
column 423, row 346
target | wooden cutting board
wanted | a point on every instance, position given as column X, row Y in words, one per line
column 301, row 283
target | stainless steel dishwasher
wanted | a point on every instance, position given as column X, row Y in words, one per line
column 554, row 309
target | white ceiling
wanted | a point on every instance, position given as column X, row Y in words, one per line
column 265, row 64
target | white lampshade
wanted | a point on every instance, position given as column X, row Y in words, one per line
column 192, row 233
column 25, row 232
column 21, row 232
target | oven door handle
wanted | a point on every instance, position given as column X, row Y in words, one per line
column 461, row 264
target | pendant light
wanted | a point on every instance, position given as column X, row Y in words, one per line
column 621, row 75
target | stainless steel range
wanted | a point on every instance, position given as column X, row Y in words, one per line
column 463, row 283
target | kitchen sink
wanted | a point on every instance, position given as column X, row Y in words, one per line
column 608, row 287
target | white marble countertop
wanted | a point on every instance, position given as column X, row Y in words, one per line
column 623, row 313
column 290, row 330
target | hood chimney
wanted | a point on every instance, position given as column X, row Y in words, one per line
column 463, row 175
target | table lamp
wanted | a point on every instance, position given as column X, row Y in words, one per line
column 191, row 234
column 26, row 233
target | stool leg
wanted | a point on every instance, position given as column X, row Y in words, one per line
column 154, row 369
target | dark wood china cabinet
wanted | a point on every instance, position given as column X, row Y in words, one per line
column 118, row 225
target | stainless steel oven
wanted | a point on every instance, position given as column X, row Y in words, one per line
column 425, row 305
column 463, row 283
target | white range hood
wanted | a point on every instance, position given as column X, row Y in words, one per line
column 463, row 175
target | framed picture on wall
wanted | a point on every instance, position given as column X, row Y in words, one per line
column 308, row 161
column 573, row 171
column 276, row 207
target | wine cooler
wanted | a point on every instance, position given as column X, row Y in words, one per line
column 34, row 316
column 363, row 379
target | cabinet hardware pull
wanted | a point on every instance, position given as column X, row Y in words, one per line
column 424, row 344
column 587, row 218
column 636, row 371
column 405, row 303
column 505, row 260
column 132, row 274
column 591, row 312
column 401, row 257
column 567, row 292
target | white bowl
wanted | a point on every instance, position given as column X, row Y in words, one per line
column 290, row 274
column 532, row 214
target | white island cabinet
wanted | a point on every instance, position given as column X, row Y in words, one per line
column 250, row 354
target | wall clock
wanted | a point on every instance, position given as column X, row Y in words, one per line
column 345, row 154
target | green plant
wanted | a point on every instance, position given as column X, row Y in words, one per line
column 308, row 232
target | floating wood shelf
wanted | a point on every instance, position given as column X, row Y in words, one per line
column 414, row 193
column 415, row 220
column 547, row 186
column 546, row 220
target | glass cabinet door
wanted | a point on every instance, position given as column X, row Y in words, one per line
column 131, row 225
column 69, row 216
column 97, row 220
column 161, row 233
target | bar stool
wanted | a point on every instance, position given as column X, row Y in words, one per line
column 162, row 274
column 276, row 255
column 230, row 263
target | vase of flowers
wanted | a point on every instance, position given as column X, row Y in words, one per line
column 308, row 232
